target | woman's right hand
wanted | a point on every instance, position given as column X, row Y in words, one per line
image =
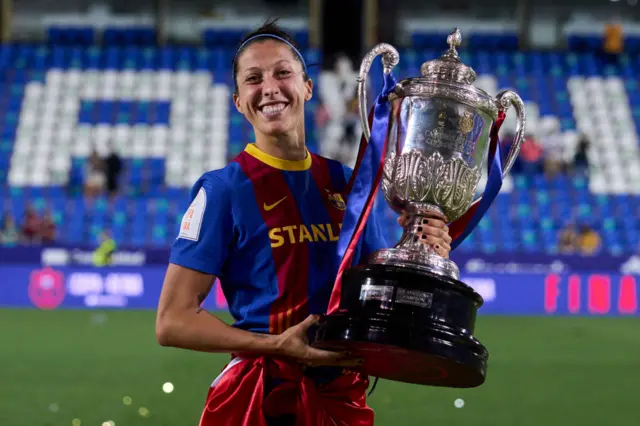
column 294, row 344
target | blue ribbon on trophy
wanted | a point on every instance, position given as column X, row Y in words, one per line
column 363, row 185
column 462, row 227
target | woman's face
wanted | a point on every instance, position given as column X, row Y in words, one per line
column 271, row 88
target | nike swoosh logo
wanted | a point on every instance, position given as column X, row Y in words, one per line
column 268, row 207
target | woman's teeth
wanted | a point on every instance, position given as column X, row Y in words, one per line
column 273, row 109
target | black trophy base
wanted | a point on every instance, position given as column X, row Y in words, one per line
column 408, row 325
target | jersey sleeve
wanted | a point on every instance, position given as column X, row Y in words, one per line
column 205, row 237
column 373, row 236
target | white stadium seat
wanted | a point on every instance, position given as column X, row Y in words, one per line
column 49, row 134
column 17, row 176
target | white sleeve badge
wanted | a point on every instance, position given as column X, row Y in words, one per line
column 192, row 219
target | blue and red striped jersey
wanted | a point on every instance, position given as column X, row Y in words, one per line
column 268, row 229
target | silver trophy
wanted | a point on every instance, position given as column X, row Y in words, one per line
column 438, row 142
column 405, row 311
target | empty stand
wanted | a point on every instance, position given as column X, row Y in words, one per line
column 168, row 111
column 602, row 110
column 181, row 116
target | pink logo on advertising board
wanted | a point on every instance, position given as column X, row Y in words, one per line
column 46, row 288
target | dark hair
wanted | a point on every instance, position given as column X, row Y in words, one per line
column 269, row 27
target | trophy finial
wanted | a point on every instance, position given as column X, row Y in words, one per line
column 454, row 40
column 450, row 66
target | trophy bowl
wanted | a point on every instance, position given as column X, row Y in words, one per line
column 405, row 311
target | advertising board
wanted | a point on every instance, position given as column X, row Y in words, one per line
column 139, row 288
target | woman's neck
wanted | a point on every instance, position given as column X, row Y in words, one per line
column 286, row 148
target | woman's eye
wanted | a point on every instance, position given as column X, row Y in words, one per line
column 284, row 73
column 252, row 79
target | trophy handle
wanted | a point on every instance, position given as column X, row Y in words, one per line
column 504, row 100
column 390, row 59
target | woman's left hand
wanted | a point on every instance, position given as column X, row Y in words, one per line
column 433, row 231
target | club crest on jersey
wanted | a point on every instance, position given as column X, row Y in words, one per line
column 336, row 200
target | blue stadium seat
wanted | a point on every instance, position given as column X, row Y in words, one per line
column 71, row 36
column 134, row 36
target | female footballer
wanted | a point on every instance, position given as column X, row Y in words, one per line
column 267, row 225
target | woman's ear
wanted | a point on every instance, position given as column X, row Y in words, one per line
column 309, row 88
column 236, row 102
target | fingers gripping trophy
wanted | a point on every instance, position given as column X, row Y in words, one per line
column 405, row 311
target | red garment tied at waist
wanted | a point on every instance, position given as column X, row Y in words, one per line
column 238, row 397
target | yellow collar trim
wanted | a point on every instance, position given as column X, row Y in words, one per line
column 279, row 163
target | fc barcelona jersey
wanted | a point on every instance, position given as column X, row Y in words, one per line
column 268, row 229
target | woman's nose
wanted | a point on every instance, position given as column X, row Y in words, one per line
column 270, row 86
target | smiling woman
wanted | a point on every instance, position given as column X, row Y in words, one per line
column 272, row 86
column 267, row 225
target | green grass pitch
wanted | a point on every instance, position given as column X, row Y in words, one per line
column 63, row 365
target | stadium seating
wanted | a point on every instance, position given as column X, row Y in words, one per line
column 586, row 94
column 169, row 112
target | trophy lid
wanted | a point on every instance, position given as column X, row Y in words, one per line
column 447, row 77
column 449, row 68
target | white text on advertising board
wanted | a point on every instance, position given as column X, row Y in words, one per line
column 110, row 290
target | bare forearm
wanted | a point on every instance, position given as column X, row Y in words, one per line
column 182, row 323
column 201, row 331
